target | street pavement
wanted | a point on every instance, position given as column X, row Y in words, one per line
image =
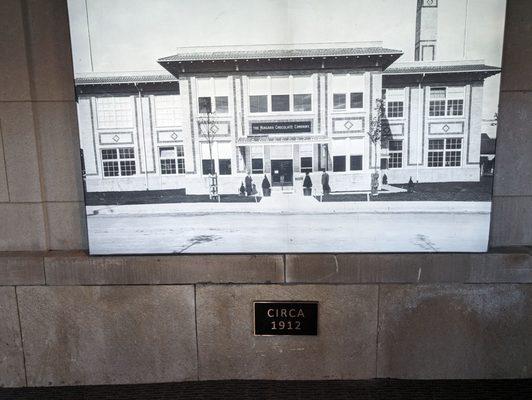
column 289, row 224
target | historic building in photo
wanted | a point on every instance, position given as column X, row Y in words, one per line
column 282, row 112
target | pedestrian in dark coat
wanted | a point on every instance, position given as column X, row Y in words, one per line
column 249, row 184
column 307, row 185
column 242, row 189
column 410, row 186
column 325, row 182
column 266, row 186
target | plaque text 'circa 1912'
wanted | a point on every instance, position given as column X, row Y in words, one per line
column 286, row 318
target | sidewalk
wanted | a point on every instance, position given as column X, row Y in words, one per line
column 295, row 203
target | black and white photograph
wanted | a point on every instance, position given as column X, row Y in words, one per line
column 287, row 126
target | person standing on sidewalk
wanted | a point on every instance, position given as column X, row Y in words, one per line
column 265, row 186
column 307, row 185
column 325, row 182
column 249, row 184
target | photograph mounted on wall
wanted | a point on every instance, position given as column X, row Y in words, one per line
column 287, row 126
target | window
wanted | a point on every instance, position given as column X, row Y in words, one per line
column 306, row 164
column 213, row 95
column 356, row 100
column 224, row 166
column 436, row 150
column 339, row 101
column 257, row 165
column 280, row 102
column 394, row 109
column 339, row 163
column 168, row 110
column 302, row 102
column 258, row 104
column 119, row 162
column 445, row 152
column 172, row 160
column 395, row 154
column 355, row 163
column 222, row 104
column 204, row 104
column 384, row 163
column 455, row 107
column 446, row 102
column 453, row 152
column 207, row 167
column 114, row 112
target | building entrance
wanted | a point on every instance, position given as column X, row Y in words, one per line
column 282, row 173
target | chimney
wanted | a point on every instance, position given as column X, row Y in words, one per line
column 426, row 30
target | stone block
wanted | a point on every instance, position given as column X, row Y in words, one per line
column 22, row 227
column 11, row 356
column 21, row 269
column 510, row 221
column 67, row 226
column 513, row 267
column 81, row 269
column 50, row 55
column 455, row 331
column 14, row 76
column 20, row 151
column 409, row 268
column 91, row 335
column 517, row 51
column 514, row 145
column 56, row 127
column 377, row 268
column 343, row 349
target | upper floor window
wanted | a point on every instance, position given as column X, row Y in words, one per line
column 168, row 110
column 119, row 161
column 394, row 102
column 280, row 94
column 213, row 95
column 348, row 91
column 446, row 101
column 114, row 112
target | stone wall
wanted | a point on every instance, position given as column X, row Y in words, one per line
column 70, row 319
column 67, row 318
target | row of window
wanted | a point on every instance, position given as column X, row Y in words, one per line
column 121, row 161
column 443, row 102
column 115, row 112
column 442, row 153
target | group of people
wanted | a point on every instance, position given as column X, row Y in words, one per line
column 248, row 188
column 307, row 183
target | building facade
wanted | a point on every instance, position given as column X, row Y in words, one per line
column 283, row 112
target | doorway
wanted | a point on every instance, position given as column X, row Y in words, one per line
column 282, row 172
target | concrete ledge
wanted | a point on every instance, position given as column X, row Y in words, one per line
column 21, row 269
column 510, row 265
column 410, row 268
column 81, row 269
column 11, row 357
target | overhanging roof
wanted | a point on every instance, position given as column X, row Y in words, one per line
column 125, row 81
column 280, row 57
column 444, row 70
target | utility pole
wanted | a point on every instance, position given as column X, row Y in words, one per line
column 213, row 175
